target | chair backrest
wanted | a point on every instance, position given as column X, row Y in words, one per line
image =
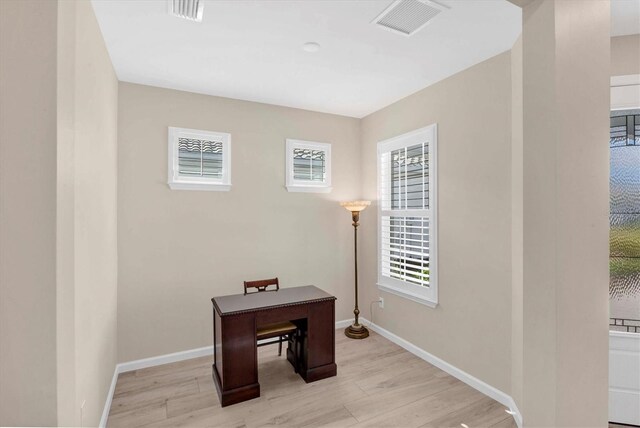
column 261, row 285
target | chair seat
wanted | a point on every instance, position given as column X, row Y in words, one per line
column 277, row 329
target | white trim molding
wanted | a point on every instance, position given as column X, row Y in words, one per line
column 407, row 294
column 625, row 92
column 107, row 404
column 344, row 323
column 165, row 359
column 389, row 280
column 624, row 377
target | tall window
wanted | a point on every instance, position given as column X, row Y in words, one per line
column 407, row 239
column 199, row 160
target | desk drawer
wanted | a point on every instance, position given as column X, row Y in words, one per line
column 288, row 313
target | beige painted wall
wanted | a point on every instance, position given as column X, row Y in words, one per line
column 625, row 55
column 27, row 212
column 471, row 327
column 565, row 216
column 517, row 212
column 177, row 249
column 87, row 224
column 582, row 35
column 68, row 414
column 58, row 214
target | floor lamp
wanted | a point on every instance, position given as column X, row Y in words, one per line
column 356, row 330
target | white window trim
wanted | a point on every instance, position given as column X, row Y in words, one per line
column 625, row 92
column 293, row 185
column 426, row 296
column 176, row 182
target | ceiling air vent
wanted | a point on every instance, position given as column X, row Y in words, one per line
column 187, row 9
column 408, row 16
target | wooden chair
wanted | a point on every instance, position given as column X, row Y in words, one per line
column 281, row 330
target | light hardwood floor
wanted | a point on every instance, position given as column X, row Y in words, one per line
column 378, row 384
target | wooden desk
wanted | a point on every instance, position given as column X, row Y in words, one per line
column 235, row 320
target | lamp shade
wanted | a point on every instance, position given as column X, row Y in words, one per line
column 355, row 206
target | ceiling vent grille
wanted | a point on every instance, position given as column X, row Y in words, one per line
column 408, row 16
column 187, row 9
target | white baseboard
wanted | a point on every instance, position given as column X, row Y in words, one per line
column 164, row 359
column 517, row 416
column 465, row 377
column 107, row 404
column 343, row 323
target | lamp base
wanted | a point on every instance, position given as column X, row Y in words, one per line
column 356, row 331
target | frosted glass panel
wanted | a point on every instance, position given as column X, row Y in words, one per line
column 624, row 286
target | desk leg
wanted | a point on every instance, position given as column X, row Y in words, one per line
column 235, row 371
column 319, row 348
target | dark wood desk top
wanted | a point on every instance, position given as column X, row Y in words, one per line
column 240, row 303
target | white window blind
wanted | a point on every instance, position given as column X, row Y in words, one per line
column 309, row 165
column 406, row 207
column 199, row 158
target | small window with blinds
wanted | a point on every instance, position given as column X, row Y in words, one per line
column 199, row 160
column 407, row 253
column 308, row 166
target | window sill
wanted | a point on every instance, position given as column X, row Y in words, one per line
column 212, row 187
column 411, row 296
column 308, row 189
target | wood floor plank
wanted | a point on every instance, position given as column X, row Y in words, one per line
column 317, row 414
column 137, row 399
column 399, row 376
column 200, row 418
column 378, row 384
column 329, row 393
column 506, row 423
column 321, row 401
column 157, row 380
column 216, row 416
column 483, row 413
column 385, row 401
column 139, row 416
column 422, row 411
column 190, row 403
column 337, row 417
column 172, row 367
column 205, row 383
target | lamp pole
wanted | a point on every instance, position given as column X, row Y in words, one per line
column 356, row 330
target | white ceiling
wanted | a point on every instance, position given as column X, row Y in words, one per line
column 252, row 49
